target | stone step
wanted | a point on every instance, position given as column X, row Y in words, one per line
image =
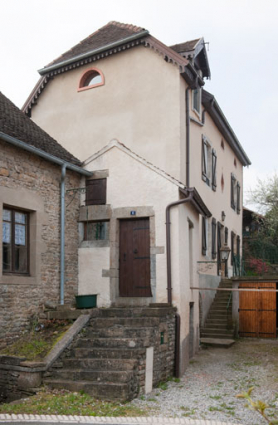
column 92, row 375
column 217, row 342
column 111, row 391
column 216, row 334
column 128, row 343
column 134, row 312
column 100, row 364
column 103, row 353
column 213, row 330
column 215, row 325
column 120, row 332
column 137, row 322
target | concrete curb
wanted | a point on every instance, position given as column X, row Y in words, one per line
column 50, row 419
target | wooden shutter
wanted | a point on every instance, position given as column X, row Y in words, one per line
column 213, row 238
column 96, row 192
column 232, row 247
column 214, row 162
column 219, row 244
column 204, row 236
column 204, row 160
column 238, row 198
column 233, row 205
column 226, row 235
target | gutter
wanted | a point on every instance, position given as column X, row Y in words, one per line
column 93, row 52
column 65, row 165
column 36, row 151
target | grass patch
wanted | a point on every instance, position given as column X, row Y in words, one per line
column 63, row 402
column 38, row 341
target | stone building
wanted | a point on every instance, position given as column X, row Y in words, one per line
column 34, row 172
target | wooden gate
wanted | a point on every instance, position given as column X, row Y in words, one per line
column 135, row 258
column 257, row 310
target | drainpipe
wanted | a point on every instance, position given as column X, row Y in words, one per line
column 187, row 136
column 169, row 277
column 62, row 238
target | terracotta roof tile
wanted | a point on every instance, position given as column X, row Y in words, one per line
column 14, row 123
column 109, row 33
column 185, row 47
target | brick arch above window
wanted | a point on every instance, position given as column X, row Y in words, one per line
column 92, row 77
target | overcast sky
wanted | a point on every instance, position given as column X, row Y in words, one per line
column 242, row 52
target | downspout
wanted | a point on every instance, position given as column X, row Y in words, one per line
column 187, row 137
column 62, row 238
column 169, row 277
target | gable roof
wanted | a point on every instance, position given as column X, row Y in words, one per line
column 108, row 34
column 14, row 123
column 111, row 39
column 197, row 200
column 195, row 50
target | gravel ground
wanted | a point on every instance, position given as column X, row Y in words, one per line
column 213, row 379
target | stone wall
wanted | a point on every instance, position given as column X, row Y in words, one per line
column 29, row 182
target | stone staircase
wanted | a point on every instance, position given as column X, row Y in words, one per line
column 108, row 359
column 218, row 328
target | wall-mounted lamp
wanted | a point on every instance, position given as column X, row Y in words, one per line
column 223, row 216
column 224, row 253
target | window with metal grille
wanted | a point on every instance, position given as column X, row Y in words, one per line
column 96, row 231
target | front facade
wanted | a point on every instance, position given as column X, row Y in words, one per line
column 121, row 83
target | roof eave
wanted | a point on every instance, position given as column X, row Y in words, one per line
column 50, row 68
column 39, row 152
column 213, row 108
column 197, row 201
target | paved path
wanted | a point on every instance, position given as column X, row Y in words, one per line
column 72, row 420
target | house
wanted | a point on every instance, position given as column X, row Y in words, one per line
column 135, row 112
column 35, row 174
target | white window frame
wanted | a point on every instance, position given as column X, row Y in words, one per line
column 196, row 106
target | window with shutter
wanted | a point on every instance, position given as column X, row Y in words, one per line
column 232, row 247
column 205, row 161
column 204, row 236
column 238, row 198
column 213, row 176
column 213, row 238
column 96, row 192
column 219, row 244
column 233, row 183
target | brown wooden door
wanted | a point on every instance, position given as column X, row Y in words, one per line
column 135, row 258
column 248, row 311
column 257, row 310
column 267, row 311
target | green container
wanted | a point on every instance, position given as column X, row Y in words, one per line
column 86, row 301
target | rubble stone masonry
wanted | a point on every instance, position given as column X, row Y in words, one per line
column 33, row 184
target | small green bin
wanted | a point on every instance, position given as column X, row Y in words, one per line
column 86, row 301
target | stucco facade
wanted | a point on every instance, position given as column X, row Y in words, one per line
column 134, row 185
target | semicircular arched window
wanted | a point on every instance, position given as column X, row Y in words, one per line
column 92, row 77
